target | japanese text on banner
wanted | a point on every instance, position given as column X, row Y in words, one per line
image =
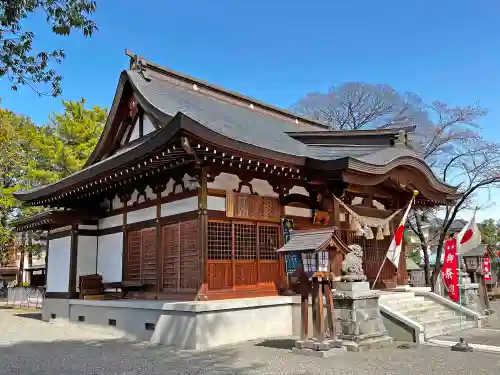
column 449, row 270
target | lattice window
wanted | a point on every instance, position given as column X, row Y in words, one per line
column 245, row 241
column 268, row 242
column 219, row 240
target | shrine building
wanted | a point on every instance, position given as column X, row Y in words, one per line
column 190, row 192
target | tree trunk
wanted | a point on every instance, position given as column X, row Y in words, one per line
column 423, row 245
column 30, row 255
column 426, row 265
column 20, row 272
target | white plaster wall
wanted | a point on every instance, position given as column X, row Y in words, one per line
column 110, row 257
column 135, row 131
column 140, row 199
column 169, row 188
column 227, row 181
column 116, row 204
column 141, row 215
column 110, row 222
column 147, row 125
column 299, row 190
column 149, row 193
column 86, row 260
column 216, row 203
column 58, row 267
column 179, row 207
column 298, row 211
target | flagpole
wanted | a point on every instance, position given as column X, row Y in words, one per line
column 415, row 192
column 379, row 272
column 459, row 263
column 462, row 345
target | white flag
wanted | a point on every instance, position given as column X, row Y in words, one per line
column 469, row 237
column 394, row 251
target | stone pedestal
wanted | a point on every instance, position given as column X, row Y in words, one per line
column 470, row 296
column 357, row 309
column 323, row 349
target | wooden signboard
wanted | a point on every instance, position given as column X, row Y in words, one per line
column 248, row 206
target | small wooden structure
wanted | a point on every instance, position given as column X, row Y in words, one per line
column 317, row 250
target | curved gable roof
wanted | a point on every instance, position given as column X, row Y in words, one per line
column 251, row 130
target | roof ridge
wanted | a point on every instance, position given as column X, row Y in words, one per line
column 345, row 133
column 141, row 63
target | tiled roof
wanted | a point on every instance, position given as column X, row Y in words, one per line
column 476, row 252
column 250, row 126
column 310, row 240
column 411, row 265
column 233, row 121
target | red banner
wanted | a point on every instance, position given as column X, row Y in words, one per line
column 487, row 268
column 449, row 270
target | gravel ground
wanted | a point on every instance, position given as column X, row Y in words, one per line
column 30, row 346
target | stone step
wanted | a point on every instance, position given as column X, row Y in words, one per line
column 431, row 316
column 441, row 322
column 408, row 305
column 423, row 310
column 444, row 330
column 396, row 296
column 392, row 302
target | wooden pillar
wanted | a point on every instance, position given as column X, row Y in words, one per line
column 319, row 324
column 124, row 198
column 304, row 315
column 20, row 271
column 330, row 309
column 158, row 189
column 46, row 257
column 336, row 213
column 202, row 228
column 73, row 262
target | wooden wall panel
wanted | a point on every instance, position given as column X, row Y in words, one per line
column 148, row 248
column 180, row 256
column 269, row 272
column 220, row 275
column 171, row 254
column 250, row 206
column 133, row 257
column 245, row 273
column 140, row 260
column 188, row 256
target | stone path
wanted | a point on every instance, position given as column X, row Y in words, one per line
column 29, row 346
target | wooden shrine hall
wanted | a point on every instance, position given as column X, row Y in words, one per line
column 192, row 188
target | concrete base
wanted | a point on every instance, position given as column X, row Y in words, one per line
column 186, row 325
column 369, row 344
column 316, row 345
column 319, row 353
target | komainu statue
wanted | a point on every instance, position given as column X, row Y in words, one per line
column 352, row 266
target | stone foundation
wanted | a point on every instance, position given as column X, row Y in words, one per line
column 361, row 325
column 315, row 348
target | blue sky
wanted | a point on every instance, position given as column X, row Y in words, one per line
column 278, row 51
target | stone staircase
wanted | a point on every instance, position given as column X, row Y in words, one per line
column 435, row 318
